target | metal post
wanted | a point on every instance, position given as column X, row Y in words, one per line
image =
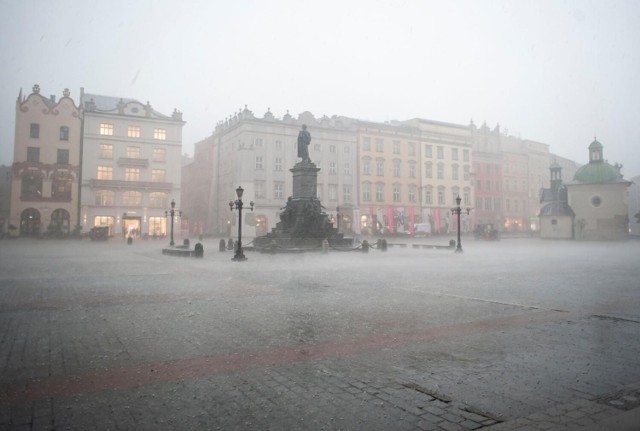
column 172, row 213
column 239, row 254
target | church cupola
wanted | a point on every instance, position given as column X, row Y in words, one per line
column 595, row 152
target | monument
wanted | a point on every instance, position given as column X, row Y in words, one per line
column 303, row 224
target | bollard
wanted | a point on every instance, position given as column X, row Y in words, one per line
column 383, row 245
column 325, row 246
column 365, row 246
column 130, row 240
column 230, row 244
column 186, row 242
column 222, row 246
column 198, row 250
column 452, row 243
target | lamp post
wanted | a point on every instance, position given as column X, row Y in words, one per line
column 239, row 256
column 457, row 211
column 172, row 213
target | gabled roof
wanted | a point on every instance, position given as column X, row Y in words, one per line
column 109, row 104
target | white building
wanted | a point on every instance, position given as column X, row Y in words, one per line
column 131, row 158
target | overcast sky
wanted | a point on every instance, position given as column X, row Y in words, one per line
column 557, row 72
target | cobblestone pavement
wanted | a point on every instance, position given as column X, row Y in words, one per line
column 512, row 335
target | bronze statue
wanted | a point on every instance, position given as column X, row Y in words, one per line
column 304, row 139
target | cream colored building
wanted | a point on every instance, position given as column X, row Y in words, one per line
column 446, row 164
column 257, row 154
column 131, row 167
column 46, row 168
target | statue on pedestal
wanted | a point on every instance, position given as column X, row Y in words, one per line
column 304, row 139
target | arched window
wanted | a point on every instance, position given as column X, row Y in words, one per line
column 105, row 198
column 132, row 199
column 60, row 221
column 30, row 222
column 158, row 200
column 61, row 186
column 31, row 185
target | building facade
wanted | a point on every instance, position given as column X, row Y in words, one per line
column 131, row 168
column 446, row 163
column 46, row 167
column 257, row 154
column 599, row 198
column 487, row 180
column 389, row 173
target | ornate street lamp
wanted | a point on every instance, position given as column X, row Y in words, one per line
column 457, row 211
column 172, row 213
column 239, row 256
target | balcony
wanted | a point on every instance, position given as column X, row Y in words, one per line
column 130, row 185
column 128, row 161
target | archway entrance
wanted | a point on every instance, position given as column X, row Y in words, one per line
column 30, row 222
column 60, row 222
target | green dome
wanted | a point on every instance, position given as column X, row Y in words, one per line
column 596, row 173
column 595, row 144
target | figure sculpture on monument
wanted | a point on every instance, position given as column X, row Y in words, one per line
column 304, row 139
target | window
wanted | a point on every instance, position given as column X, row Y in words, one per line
column 396, row 147
column 366, row 144
column 488, row 186
column 131, row 198
column 33, row 154
column 159, row 155
column 332, row 168
column 158, row 175
column 158, row 200
column 333, row 192
column 278, row 145
column 428, row 151
column 105, row 198
column 157, row 226
column 466, row 200
column 441, row 197
column 316, row 148
column 479, row 185
column 412, row 169
column 258, row 162
column 34, row 130
column 379, row 145
column 465, row 155
column 454, row 172
column 347, row 168
column 396, row 168
column 278, row 190
column 366, row 167
column 496, row 204
column 278, row 164
column 467, row 174
column 106, row 129
column 259, row 190
column 412, row 194
column 133, row 152
column 63, row 157
column 332, row 148
column 428, row 170
column 440, row 152
column 428, row 198
column 346, row 193
column 488, row 204
column 440, row 171
column 379, row 167
column 366, row 192
column 106, row 151
column 160, row 134
column 31, row 185
column 105, row 172
column 380, row 192
column 396, row 193
column 64, row 133
column 454, row 154
column 412, row 148
column 132, row 174
column 259, row 143
column 133, row 132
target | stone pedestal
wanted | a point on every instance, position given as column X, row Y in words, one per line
column 303, row 223
column 305, row 180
